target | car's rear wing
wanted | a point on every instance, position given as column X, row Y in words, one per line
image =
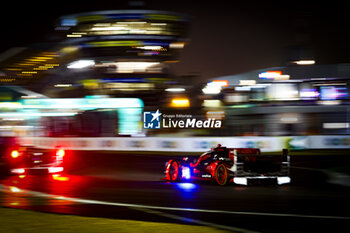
column 250, row 162
column 245, row 151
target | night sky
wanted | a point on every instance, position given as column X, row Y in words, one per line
column 226, row 37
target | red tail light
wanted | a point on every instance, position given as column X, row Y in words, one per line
column 14, row 154
column 60, row 153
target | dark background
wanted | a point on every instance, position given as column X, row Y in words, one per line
column 226, row 37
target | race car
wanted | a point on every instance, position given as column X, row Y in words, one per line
column 22, row 160
column 242, row 166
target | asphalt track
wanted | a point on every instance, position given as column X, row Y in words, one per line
column 129, row 186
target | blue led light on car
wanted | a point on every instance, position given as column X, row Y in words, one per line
column 186, row 173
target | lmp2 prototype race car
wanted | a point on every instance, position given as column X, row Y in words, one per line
column 21, row 160
column 242, row 166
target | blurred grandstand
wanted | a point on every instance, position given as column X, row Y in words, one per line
column 100, row 58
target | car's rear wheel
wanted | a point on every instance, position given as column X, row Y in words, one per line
column 221, row 174
column 174, row 171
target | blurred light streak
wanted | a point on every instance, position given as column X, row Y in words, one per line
column 55, row 169
column 336, row 125
column 11, row 105
column 211, row 103
column 305, row 62
column 59, row 177
column 63, row 85
column 131, row 67
column 150, row 47
column 247, row 82
column 29, row 96
column 309, row 93
column 14, row 189
column 80, row 64
column 175, row 89
column 180, row 103
column 36, row 114
column 282, row 91
column 276, row 75
column 334, row 92
column 218, row 115
column 243, row 88
column 18, row 170
column 329, row 102
column 214, row 87
column 82, row 103
column 211, row 90
column 220, row 83
column 289, row 120
column 177, row 45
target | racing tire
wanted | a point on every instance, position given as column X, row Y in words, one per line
column 221, row 174
column 174, row 171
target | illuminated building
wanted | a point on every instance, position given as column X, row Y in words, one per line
column 120, row 53
column 293, row 100
column 104, row 58
column 123, row 53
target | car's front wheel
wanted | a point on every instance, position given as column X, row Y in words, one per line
column 221, row 174
column 174, row 171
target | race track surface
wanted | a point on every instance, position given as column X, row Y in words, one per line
column 128, row 186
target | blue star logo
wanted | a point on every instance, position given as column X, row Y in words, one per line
column 151, row 120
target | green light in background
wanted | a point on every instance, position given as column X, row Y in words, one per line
column 129, row 120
